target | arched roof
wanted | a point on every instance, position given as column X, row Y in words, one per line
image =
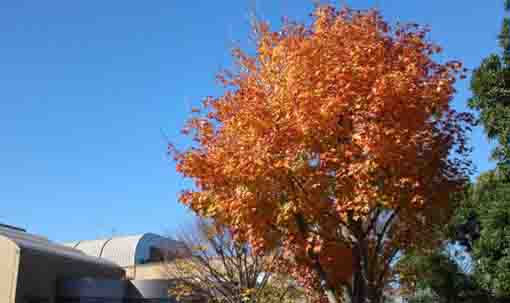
column 126, row 250
column 93, row 248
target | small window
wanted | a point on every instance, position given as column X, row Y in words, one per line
column 156, row 255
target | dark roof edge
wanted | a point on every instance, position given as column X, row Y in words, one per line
column 13, row 227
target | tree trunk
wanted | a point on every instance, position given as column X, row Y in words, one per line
column 374, row 294
column 358, row 286
column 328, row 290
column 364, row 291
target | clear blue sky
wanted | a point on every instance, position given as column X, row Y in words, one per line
column 87, row 87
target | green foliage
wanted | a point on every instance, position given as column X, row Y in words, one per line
column 485, row 218
column 437, row 277
column 492, row 250
column 485, row 223
column 491, row 96
column 485, row 215
column 425, row 296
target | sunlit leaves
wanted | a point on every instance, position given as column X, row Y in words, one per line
column 330, row 122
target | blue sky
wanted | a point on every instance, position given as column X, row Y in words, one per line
column 88, row 88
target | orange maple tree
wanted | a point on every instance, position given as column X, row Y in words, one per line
column 336, row 142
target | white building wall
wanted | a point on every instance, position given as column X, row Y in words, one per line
column 9, row 265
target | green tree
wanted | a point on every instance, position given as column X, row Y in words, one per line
column 485, row 215
column 482, row 226
column 489, row 203
column 438, row 277
column 491, row 95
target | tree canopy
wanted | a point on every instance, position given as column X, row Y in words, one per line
column 491, row 95
column 334, row 141
column 488, row 203
column 438, row 276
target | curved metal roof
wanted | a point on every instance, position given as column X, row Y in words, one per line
column 126, row 250
column 93, row 248
column 36, row 243
column 123, row 250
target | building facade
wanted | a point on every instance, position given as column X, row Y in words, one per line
column 34, row 269
column 32, row 266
